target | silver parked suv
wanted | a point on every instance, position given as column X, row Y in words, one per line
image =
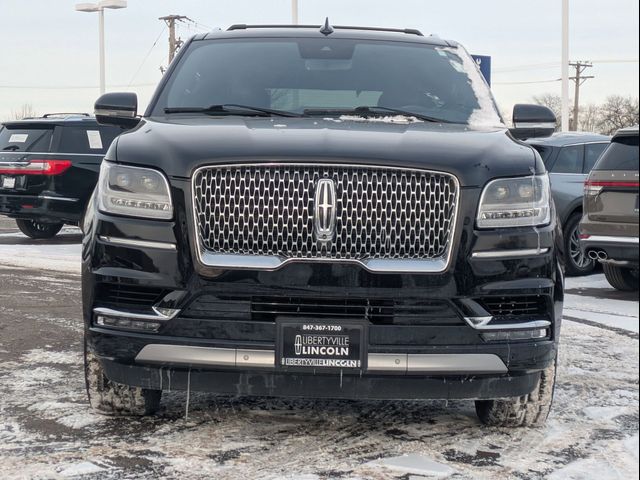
column 569, row 157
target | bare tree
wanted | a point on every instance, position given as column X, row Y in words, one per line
column 589, row 118
column 618, row 112
column 25, row 110
column 552, row 101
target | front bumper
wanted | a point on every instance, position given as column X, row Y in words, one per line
column 429, row 342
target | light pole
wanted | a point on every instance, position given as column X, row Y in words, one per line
column 565, row 66
column 99, row 7
column 294, row 12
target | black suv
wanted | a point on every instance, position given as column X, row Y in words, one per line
column 49, row 168
column 323, row 212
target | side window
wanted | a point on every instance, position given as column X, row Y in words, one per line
column 569, row 160
column 592, row 153
column 87, row 139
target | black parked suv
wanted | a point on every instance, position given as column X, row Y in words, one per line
column 323, row 212
column 49, row 168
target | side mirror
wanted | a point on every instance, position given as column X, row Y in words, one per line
column 532, row 121
column 118, row 109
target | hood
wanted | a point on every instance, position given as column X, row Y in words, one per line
column 179, row 145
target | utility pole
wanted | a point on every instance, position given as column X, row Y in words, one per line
column 174, row 43
column 579, row 79
column 294, row 12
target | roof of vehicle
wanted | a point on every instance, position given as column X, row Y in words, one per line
column 313, row 31
column 627, row 132
column 54, row 119
column 569, row 138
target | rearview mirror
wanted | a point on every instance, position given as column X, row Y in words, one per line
column 532, row 121
column 118, row 109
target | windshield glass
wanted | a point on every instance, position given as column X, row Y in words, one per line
column 301, row 74
column 622, row 154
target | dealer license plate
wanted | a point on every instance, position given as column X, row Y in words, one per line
column 321, row 345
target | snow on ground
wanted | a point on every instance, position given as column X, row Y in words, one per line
column 47, row 430
column 42, row 254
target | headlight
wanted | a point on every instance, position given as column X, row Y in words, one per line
column 134, row 191
column 515, row 202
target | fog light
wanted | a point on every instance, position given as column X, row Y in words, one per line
column 126, row 323
column 515, row 335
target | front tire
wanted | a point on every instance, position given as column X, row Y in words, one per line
column 577, row 263
column 621, row 278
column 529, row 410
column 112, row 398
column 38, row 230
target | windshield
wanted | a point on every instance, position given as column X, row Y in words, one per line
column 305, row 74
column 622, row 154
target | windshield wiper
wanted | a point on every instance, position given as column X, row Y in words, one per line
column 370, row 111
column 232, row 109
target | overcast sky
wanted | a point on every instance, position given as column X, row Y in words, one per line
column 50, row 52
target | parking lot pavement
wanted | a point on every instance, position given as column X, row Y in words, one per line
column 48, row 431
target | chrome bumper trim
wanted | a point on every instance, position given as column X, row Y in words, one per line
column 60, row 199
column 525, row 252
column 450, row 363
column 484, row 323
column 272, row 262
column 128, row 242
column 610, row 239
column 158, row 315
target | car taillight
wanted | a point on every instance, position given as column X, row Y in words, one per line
column 594, row 187
column 36, row 167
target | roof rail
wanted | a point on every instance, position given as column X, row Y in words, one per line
column 409, row 31
column 65, row 114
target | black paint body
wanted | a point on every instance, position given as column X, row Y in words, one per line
column 179, row 144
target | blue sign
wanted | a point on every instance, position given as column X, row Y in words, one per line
column 484, row 63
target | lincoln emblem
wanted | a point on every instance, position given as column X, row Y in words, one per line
column 324, row 215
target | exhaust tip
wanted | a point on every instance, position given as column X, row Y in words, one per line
column 593, row 255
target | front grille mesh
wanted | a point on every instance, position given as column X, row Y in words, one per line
column 512, row 306
column 380, row 212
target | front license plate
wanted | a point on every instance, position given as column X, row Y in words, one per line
column 321, row 345
column 9, row 182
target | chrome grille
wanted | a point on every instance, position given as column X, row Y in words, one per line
column 268, row 210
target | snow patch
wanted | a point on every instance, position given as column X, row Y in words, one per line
column 62, row 258
column 415, row 463
column 82, row 468
column 373, row 119
column 486, row 115
column 45, row 356
column 586, row 469
column 603, row 413
column 631, row 446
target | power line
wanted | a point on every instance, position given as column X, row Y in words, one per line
column 526, row 82
column 70, row 87
column 147, row 55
